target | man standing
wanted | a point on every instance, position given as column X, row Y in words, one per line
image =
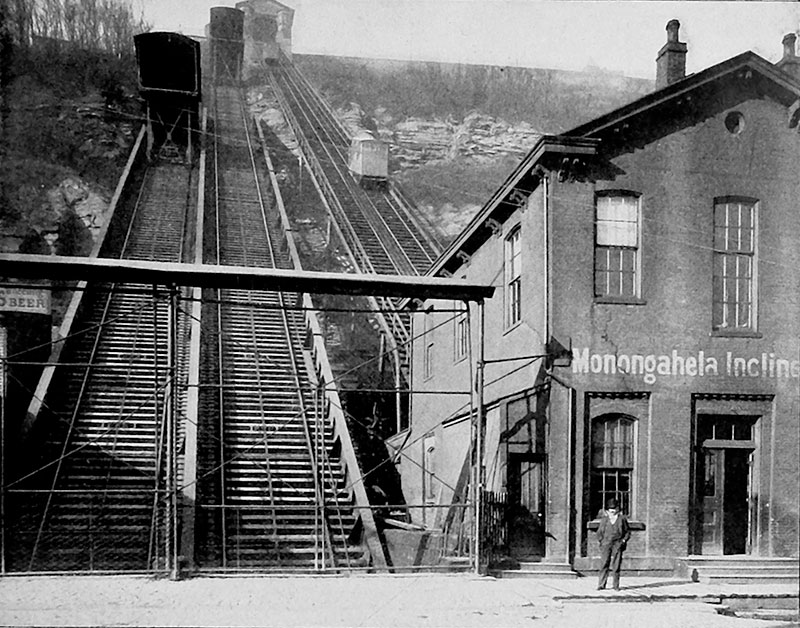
column 613, row 534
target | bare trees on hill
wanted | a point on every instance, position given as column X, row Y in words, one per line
column 98, row 25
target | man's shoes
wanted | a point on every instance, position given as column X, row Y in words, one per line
column 616, row 588
column 600, row 588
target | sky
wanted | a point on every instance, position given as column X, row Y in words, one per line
column 619, row 36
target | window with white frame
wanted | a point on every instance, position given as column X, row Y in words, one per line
column 513, row 273
column 612, row 462
column 734, row 275
column 427, row 343
column 461, row 331
column 617, row 251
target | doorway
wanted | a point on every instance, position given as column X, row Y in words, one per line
column 526, row 513
column 724, row 488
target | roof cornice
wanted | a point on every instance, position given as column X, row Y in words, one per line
column 680, row 89
column 547, row 145
column 585, row 139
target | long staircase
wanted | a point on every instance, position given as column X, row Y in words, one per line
column 272, row 492
column 91, row 495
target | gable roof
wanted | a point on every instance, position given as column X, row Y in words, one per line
column 747, row 66
column 586, row 139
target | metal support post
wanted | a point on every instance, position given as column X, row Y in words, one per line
column 3, row 435
column 171, row 419
column 478, row 476
column 319, row 552
column 398, row 384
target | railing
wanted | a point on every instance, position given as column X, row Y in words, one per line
column 326, row 384
column 107, row 240
column 494, row 526
column 335, row 415
column 392, row 324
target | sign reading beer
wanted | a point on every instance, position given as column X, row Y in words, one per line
column 651, row 366
column 26, row 300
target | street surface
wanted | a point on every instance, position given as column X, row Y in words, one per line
column 414, row 600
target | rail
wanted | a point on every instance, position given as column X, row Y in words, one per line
column 86, row 425
column 392, row 324
column 326, row 383
column 136, row 157
column 393, row 211
column 326, row 552
column 395, row 255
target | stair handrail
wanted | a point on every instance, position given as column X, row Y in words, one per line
column 336, row 416
column 337, row 214
column 71, row 313
column 390, row 322
column 322, row 365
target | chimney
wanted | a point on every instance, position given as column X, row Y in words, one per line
column 790, row 63
column 671, row 59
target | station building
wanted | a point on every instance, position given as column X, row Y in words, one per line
column 644, row 341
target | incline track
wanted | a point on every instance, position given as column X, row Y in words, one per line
column 373, row 221
column 93, row 495
column 269, row 494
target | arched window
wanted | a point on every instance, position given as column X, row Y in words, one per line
column 612, row 460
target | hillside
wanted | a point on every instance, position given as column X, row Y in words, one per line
column 69, row 111
column 455, row 130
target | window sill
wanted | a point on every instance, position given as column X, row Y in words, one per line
column 620, row 301
column 732, row 333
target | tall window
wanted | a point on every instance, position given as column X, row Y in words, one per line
column 733, row 307
column 461, row 337
column 616, row 251
column 513, row 278
column 429, row 468
column 427, row 343
column 612, row 462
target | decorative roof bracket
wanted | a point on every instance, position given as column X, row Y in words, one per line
column 494, row 225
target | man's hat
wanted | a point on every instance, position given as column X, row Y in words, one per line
column 611, row 503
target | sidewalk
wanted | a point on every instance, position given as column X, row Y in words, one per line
column 424, row 600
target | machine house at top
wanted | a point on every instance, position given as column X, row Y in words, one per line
column 267, row 33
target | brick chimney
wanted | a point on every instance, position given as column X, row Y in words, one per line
column 671, row 59
column 790, row 63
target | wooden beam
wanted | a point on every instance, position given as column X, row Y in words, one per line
column 238, row 277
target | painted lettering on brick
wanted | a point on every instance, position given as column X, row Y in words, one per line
column 651, row 366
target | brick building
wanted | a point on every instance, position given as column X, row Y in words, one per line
column 658, row 247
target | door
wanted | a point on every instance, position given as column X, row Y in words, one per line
column 712, row 495
column 736, row 503
column 526, row 523
column 725, row 491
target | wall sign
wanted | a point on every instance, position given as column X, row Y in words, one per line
column 27, row 300
column 677, row 364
